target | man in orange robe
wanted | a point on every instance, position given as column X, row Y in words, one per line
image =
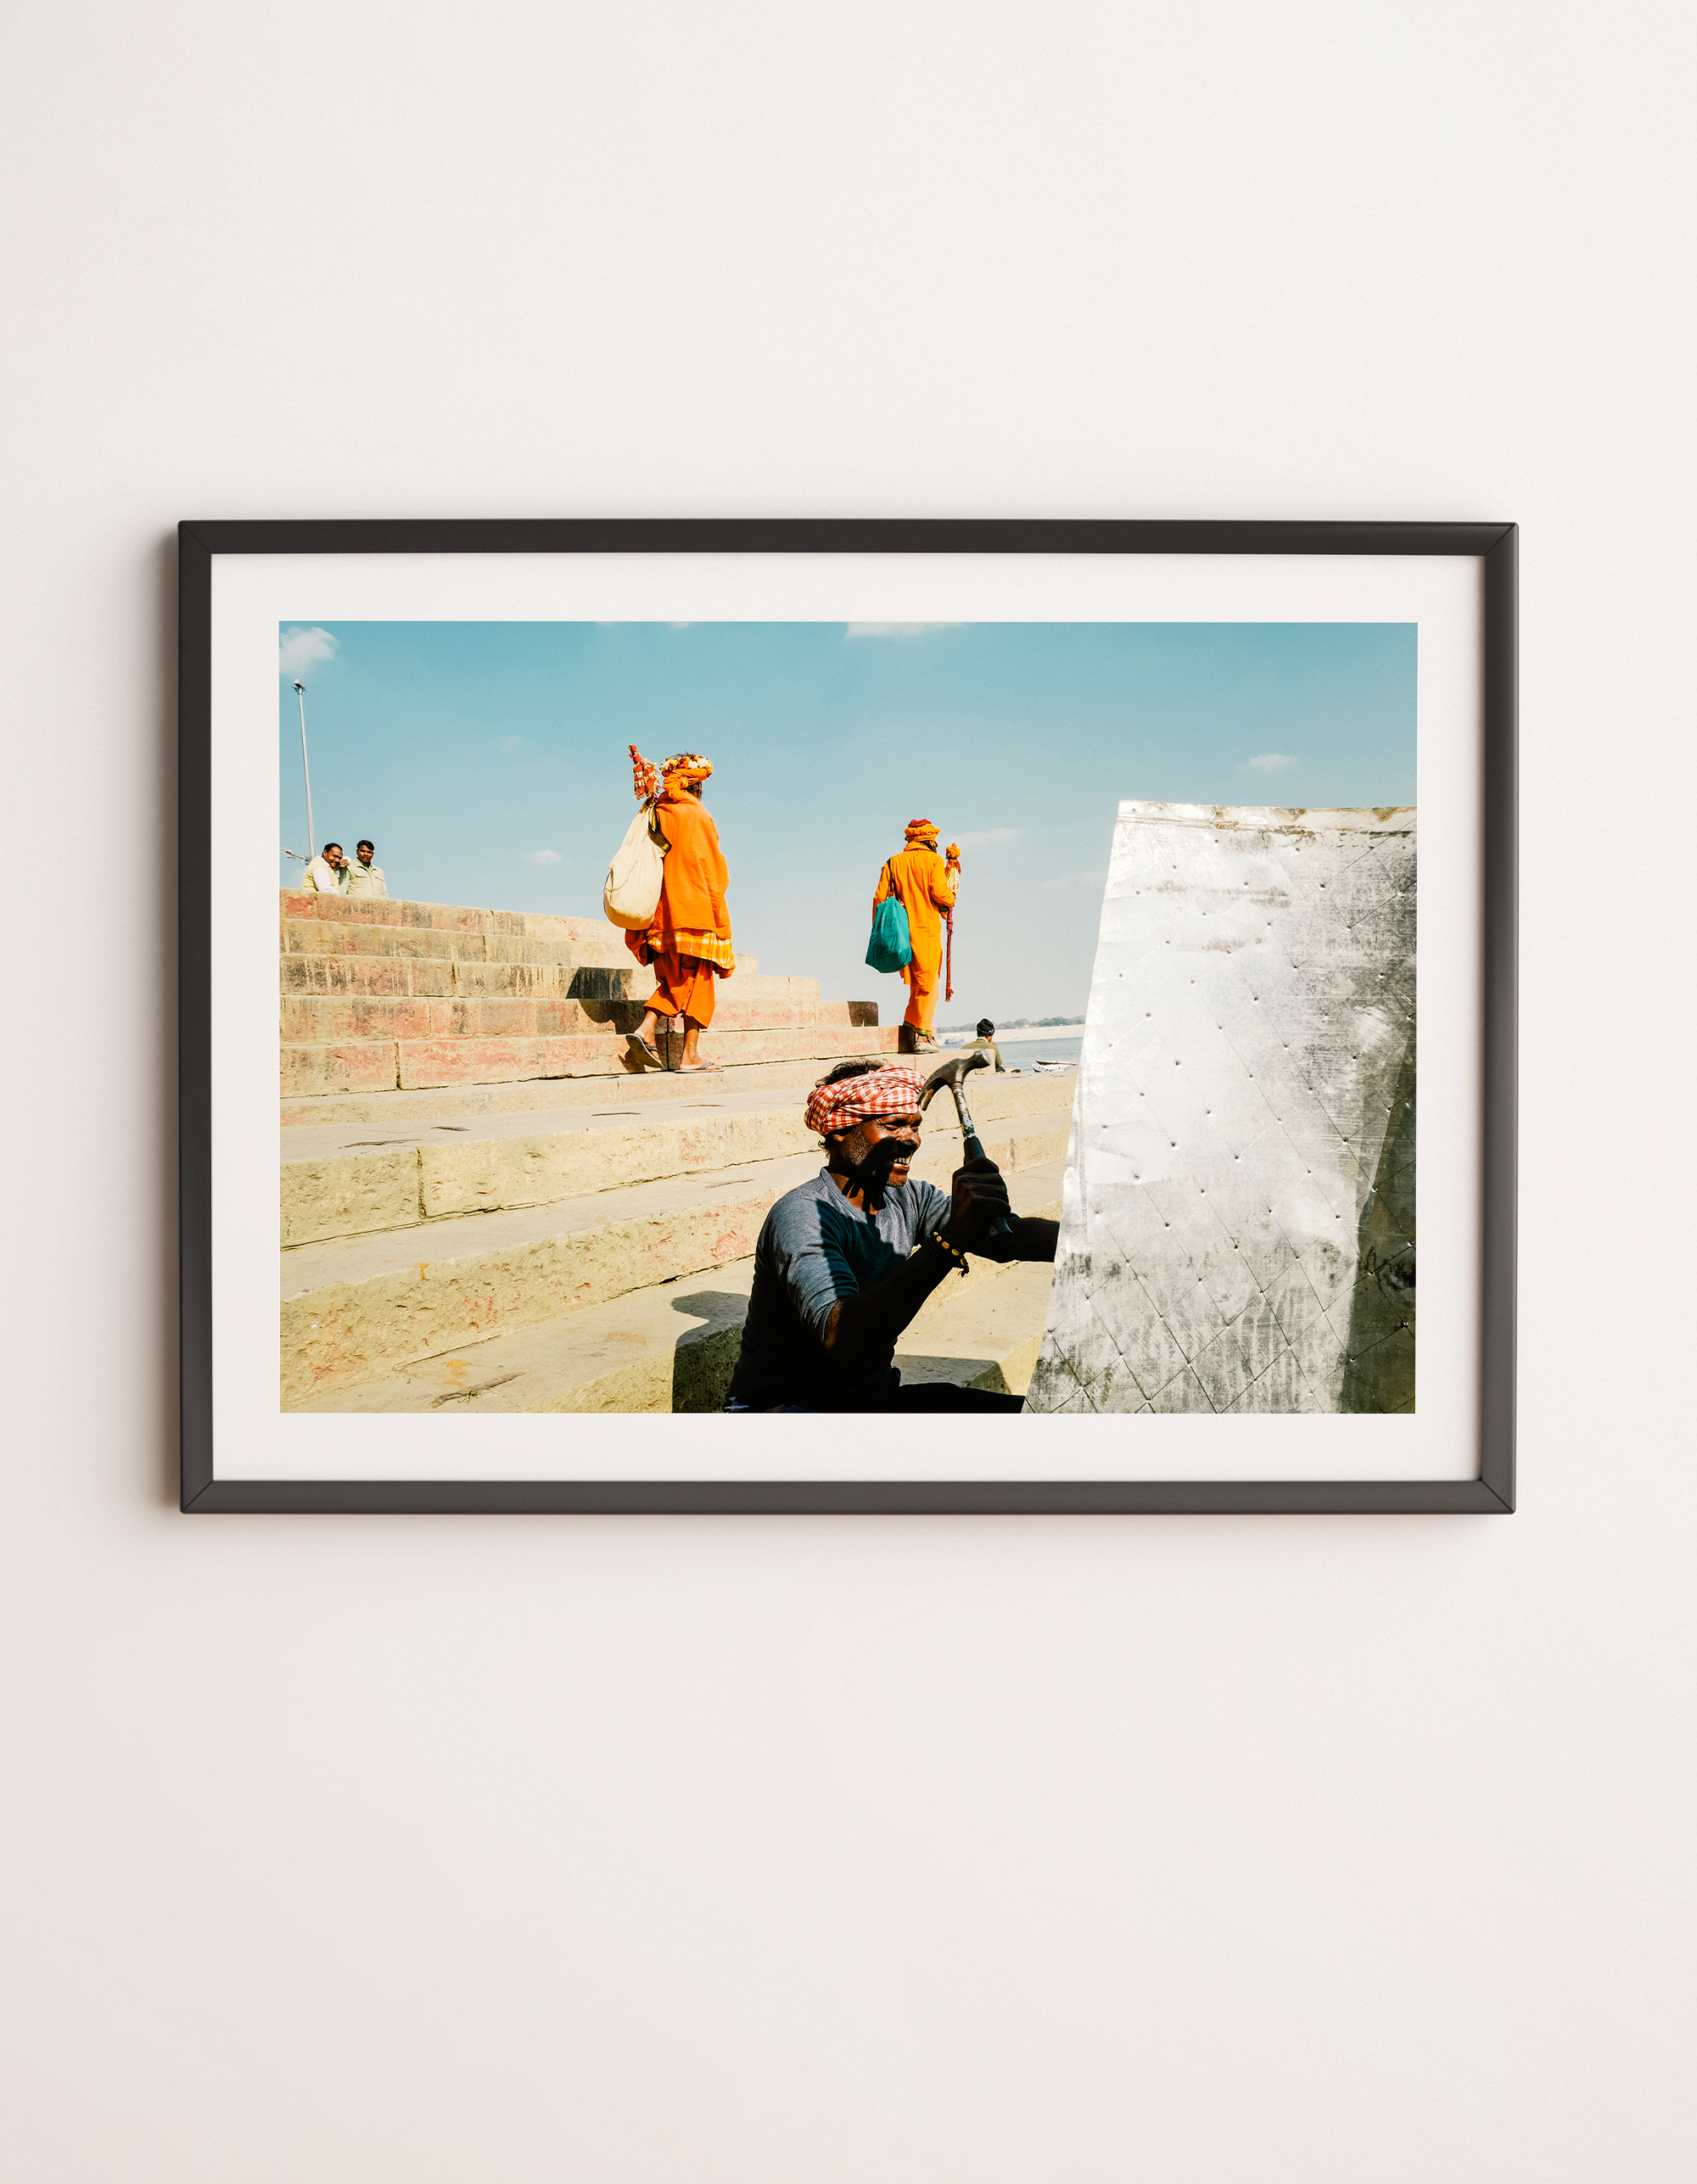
column 925, row 884
column 689, row 942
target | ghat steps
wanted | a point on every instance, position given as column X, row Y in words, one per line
column 384, row 995
column 356, row 1307
column 630, row 1092
column 352, row 1179
column 486, row 1198
column 674, row 1347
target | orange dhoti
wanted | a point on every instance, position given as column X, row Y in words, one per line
column 925, row 886
column 689, row 943
column 683, row 988
column 922, row 976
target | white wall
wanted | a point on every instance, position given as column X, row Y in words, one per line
column 788, row 1852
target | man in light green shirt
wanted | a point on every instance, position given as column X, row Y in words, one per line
column 986, row 1039
column 365, row 878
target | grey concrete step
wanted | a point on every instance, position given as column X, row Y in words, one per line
column 675, row 1347
column 359, row 1306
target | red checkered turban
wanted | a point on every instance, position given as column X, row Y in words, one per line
column 922, row 830
column 832, row 1108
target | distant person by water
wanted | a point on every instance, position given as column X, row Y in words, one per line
column 986, row 1041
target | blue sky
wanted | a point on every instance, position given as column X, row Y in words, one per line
column 487, row 761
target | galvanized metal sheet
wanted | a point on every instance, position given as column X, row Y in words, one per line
column 1238, row 1222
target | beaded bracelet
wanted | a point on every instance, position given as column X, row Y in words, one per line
column 958, row 1258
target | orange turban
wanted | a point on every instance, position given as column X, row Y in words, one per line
column 684, row 768
column 922, row 830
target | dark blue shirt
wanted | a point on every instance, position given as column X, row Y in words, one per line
column 816, row 1248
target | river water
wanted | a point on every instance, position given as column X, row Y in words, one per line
column 1020, row 1049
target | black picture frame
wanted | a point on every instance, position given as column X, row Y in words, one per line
column 1494, row 545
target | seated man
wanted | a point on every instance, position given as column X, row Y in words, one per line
column 364, row 878
column 843, row 1263
column 986, row 1041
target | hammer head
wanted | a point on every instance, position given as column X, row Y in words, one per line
column 950, row 1075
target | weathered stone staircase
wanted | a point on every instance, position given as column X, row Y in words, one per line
column 486, row 1197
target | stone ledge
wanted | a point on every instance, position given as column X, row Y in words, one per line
column 674, row 1349
column 356, row 1308
column 370, row 1189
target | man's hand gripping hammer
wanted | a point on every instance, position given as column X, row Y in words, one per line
column 950, row 1074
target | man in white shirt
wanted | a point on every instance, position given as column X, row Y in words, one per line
column 328, row 875
column 364, row 878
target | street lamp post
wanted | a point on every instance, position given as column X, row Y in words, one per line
column 311, row 830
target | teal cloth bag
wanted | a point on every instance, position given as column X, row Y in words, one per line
column 891, row 946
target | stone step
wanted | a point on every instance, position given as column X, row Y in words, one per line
column 674, row 1348
column 320, row 1130
column 637, row 1090
column 442, row 978
column 395, row 911
column 981, row 1338
column 355, row 1066
column 391, row 1108
column 334, row 1183
column 379, row 1064
column 604, row 949
column 332, row 1019
column 360, row 1307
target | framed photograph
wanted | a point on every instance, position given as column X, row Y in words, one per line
column 847, row 1015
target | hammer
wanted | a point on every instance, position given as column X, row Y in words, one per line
column 950, row 1074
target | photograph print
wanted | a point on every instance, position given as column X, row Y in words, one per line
column 999, row 1018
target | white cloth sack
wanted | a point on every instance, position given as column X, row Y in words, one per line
column 631, row 894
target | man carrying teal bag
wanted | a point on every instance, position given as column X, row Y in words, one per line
column 915, row 893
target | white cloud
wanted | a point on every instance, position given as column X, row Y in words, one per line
column 898, row 628
column 989, row 837
column 543, row 857
column 1269, row 762
column 1076, row 880
column 301, row 649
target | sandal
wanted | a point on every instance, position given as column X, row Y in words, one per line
column 636, row 1039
